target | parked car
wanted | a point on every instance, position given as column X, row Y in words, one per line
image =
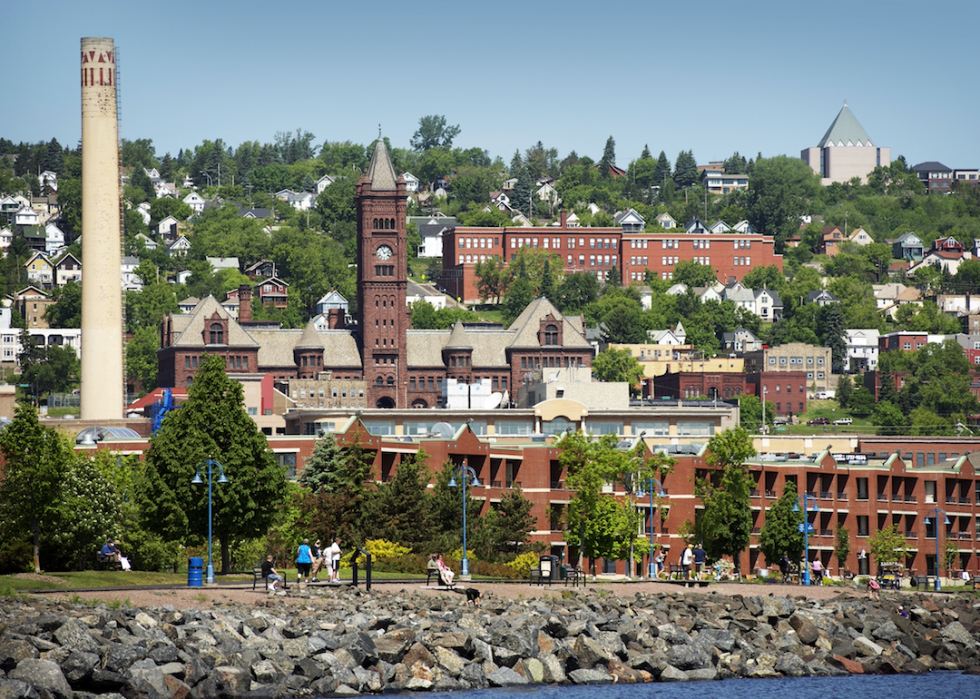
column 819, row 421
column 843, row 421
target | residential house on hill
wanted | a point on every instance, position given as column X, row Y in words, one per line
column 862, row 350
column 322, row 183
column 195, row 201
column 740, row 341
column 261, row 269
column 861, row 237
column 127, row 273
column 180, row 247
column 666, row 221
column 40, row 271
column 935, row 176
column 821, row 297
column 67, row 269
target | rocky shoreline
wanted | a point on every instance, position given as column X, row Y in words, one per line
column 346, row 641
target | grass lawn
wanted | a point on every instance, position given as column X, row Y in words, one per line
column 108, row 578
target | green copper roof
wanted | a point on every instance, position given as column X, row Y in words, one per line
column 380, row 171
column 845, row 131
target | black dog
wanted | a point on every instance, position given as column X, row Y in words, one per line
column 472, row 595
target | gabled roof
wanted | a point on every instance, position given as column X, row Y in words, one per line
column 191, row 334
column 776, row 301
column 845, row 131
column 459, row 339
column 527, row 326
column 909, row 237
column 380, row 172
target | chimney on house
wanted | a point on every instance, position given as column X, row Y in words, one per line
column 245, row 303
column 564, row 219
column 335, row 318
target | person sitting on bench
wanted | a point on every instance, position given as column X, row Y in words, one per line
column 445, row 573
column 270, row 574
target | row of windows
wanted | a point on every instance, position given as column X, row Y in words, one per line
column 551, row 362
column 384, row 361
column 555, row 243
column 463, row 361
column 481, row 243
column 743, row 244
column 795, row 361
column 315, row 360
column 789, row 406
column 231, row 362
column 354, row 392
column 789, row 388
column 383, row 224
column 383, row 342
column 702, row 244
column 743, row 261
column 384, row 270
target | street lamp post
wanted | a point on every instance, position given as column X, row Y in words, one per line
column 935, row 513
column 805, row 528
column 651, row 572
column 210, row 463
column 466, row 472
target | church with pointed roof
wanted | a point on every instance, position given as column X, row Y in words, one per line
column 391, row 365
column 845, row 151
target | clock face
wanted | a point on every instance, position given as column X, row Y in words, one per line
column 384, row 253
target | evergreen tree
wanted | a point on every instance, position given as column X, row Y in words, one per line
column 446, row 510
column 36, row 462
column 685, row 169
column 399, row 510
column 614, row 277
column 142, row 182
column 547, row 282
column 886, row 386
column 780, row 534
column 211, row 424
column 845, row 389
column 520, row 196
column 608, row 157
column 662, row 171
column 167, row 168
column 735, row 164
column 646, row 152
column 323, row 470
column 834, row 332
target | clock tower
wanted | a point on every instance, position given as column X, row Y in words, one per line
column 382, row 266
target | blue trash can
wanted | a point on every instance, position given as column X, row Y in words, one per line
column 195, row 572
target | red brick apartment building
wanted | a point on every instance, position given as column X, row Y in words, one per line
column 885, row 481
column 630, row 248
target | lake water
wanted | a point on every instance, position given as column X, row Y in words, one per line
column 948, row 685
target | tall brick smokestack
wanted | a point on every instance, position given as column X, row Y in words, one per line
column 102, row 327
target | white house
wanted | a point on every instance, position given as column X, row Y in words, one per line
column 862, row 350
column 26, row 216
column 167, row 228
column 148, row 243
column 630, row 221
column 744, row 226
column 768, row 305
column 425, row 292
column 666, row 221
column 153, row 174
column 48, row 179
column 411, row 182
column 6, row 237
column 195, row 201
column 55, row 238
column 331, row 300
column 144, row 212
column 861, row 237
column 671, row 337
column 322, row 183
column 127, row 273
column 165, row 189
column 181, row 247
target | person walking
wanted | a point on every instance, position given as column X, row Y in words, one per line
column 700, row 556
column 304, row 559
column 873, row 589
column 317, row 554
column 687, row 558
column 659, row 563
column 335, row 555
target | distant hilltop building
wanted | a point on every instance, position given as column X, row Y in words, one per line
column 845, row 151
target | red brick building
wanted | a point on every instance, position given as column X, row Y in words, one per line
column 631, row 248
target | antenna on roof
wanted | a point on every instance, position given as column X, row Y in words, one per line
column 379, row 129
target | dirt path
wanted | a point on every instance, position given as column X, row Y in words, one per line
column 208, row 597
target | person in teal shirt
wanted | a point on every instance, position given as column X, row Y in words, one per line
column 304, row 559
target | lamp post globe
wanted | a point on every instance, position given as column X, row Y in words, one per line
column 197, row 480
column 465, row 473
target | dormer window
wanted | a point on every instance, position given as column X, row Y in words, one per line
column 551, row 335
column 216, row 334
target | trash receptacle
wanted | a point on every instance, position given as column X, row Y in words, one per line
column 195, row 572
column 549, row 568
column 563, row 571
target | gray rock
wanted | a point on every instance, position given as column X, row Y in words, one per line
column 703, row 674
column 673, row 634
column 473, row 674
column 957, row 633
column 78, row 667
column 792, row 665
column 806, row 630
column 17, row 689
column 44, row 676
column 75, row 636
column 588, row 653
column 672, row 674
column 225, row 682
column 590, row 676
column 722, row 639
column 13, row 650
column 367, row 681
column 867, row 647
column 148, row 683
column 777, row 607
column 505, row 677
column 688, row 657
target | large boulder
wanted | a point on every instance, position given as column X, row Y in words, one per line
column 44, row 676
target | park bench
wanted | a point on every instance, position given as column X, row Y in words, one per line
column 574, row 576
column 922, row 581
column 257, row 575
column 676, row 571
column 435, row 574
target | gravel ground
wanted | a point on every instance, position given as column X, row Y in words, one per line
column 207, row 597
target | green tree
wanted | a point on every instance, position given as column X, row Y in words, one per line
column 662, row 171
column 618, row 365
column 694, row 273
column 141, row 358
column 584, row 461
column 780, row 191
column 577, row 291
column 491, row 279
column 48, row 369
column 446, row 510
column 834, row 331
column 780, row 533
column 161, row 208
column 888, row 418
column 842, row 545
column 399, row 509
column 608, row 159
column 94, row 505
column 625, row 323
column 725, row 525
column 518, row 297
column 685, row 169
column 433, row 132
column 36, row 462
column 66, row 312
column 950, row 554
column 324, row 469
column 211, row 424
column 750, row 412
column 141, row 181
column 504, row 527
column 845, row 389
column 888, row 545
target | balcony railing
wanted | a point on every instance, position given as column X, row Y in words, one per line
column 950, row 500
column 909, row 534
column 826, row 532
column 964, row 535
column 882, row 497
column 756, row 530
column 557, row 485
column 495, row 484
column 964, row 501
column 770, row 493
column 910, row 498
column 825, row 495
column 842, row 495
column 754, row 493
column 862, row 497
column 898, row 497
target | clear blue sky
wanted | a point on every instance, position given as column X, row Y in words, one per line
column 713, row 77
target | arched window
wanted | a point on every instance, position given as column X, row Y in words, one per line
column 551, row 335
column 391, row 381
column 380, row 381
column 216, row 334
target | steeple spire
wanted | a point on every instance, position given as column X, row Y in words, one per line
column 380, row 171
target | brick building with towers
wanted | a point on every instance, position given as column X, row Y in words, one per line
column 398, row 367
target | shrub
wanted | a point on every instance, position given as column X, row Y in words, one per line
column 496, row 570
column 522, row 564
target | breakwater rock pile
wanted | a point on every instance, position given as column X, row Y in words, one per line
column 347, row 641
